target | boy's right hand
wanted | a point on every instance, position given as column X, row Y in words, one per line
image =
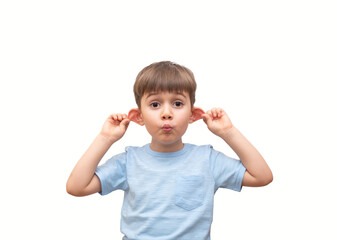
column 115, row 126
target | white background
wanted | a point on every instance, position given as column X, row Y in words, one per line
column 66, row 65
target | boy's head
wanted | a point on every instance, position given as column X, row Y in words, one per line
column 165, row 94
column 164, row 76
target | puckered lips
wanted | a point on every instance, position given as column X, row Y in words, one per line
column 167, row 128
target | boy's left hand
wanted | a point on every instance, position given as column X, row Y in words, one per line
column 217, row 121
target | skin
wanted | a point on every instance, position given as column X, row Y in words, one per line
column 171, row 110
column 166, row 116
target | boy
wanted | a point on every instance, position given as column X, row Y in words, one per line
column 169, row 186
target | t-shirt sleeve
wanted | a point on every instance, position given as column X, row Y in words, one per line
column 227, row 172
column 112, row 174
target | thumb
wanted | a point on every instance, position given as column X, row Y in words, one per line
column 125, row 123
column 206, row 117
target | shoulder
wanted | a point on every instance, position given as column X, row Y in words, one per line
column 132, row 148
column 204, row 151
column 207, row 151
column 199, row 148
column 194, row 146
column 136, row 149
column 122, row 157
column 136, row 152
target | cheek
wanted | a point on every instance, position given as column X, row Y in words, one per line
column 184, row 119
column 147, row 116
column 149, row 121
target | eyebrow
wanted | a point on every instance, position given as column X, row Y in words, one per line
column 156, row 93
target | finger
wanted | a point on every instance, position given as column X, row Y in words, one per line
column 125, row 122
column 114, row 117
column 219, row 112
column 214, row 112
column 222, row 112
column 121, row 116
column 206, row 117
column 209, row 113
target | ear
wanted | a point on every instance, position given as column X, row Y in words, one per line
column 135, row 116
column 196, row 114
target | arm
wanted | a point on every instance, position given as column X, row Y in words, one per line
column 82, row 180
column 257, row 171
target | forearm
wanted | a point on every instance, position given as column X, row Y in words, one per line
column 84, row 170
column 254, row 163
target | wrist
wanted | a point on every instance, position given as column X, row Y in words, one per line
column 106, row 138
column 228, row 133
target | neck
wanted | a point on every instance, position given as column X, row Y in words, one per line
column 167, row 147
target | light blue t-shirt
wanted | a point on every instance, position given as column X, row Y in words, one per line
column 169, row 196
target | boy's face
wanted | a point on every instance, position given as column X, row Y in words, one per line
column 166, row 116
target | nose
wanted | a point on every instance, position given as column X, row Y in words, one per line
column 166, row 113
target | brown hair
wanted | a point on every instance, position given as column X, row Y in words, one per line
column 164, row 76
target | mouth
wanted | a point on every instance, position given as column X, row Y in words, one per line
column 167, row 128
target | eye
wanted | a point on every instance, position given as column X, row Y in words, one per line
column 154, row 104
column 178, row 104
